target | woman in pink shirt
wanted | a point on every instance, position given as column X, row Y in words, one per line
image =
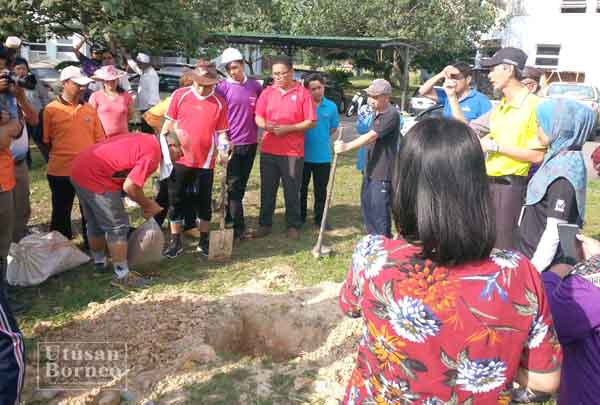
column 114, row 106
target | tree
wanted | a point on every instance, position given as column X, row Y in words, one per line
column 148, row 24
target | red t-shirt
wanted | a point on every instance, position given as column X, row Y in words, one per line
column 198, row 120
column 291, row 107
column 436, row 334
column 105, row 166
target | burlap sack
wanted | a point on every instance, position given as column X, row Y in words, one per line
column 39, row 256
column 146, row 244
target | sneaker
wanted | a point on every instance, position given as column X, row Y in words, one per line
column 175, row 248
column 101, row 267
column 131, row 281
column 203, row 247
column 262, row 231
column 292, row 233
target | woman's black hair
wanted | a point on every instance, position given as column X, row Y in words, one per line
column 441, row 197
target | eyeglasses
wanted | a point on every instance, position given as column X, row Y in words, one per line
column 280, row 74
column 457, row 77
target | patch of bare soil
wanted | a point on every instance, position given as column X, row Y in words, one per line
column 295, row 347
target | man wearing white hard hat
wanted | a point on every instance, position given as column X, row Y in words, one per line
column 240, row 93
column 147, row 93
column 70, row 126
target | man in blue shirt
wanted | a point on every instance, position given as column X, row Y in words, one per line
column 458, row 99
column 317, row 148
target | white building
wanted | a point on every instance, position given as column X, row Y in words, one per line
column 558, row 35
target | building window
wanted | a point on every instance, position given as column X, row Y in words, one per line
column 547, row 56
column 573, row 6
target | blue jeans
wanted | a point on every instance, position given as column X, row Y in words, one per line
column 376, row 205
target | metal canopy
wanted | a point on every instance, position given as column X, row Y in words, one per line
column 308, row 41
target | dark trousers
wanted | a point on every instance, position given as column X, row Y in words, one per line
column 12, row 351
column 238, row 173
column 320, row 175
column 375, row 203
column 145, row 127
column 508, row 201
column 162, row 198
column 190, row 190
column 288, row 169
column 63, row 195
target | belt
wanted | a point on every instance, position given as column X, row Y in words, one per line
column 508, row 180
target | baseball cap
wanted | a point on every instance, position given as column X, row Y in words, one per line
column 379, row 87
column 205, row 73
column 142, row 58
column 509, row 55
column 74, row 73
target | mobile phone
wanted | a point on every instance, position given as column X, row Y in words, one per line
column 571, row 247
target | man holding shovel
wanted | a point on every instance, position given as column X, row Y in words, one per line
column 199, row 118
column 382, row 140
column 317, row 149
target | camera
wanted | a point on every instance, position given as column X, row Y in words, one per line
column 27, row 82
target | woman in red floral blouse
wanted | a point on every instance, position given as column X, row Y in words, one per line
column 447, row 320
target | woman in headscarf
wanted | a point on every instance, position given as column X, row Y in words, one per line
column 556, row 193
column 574, row 294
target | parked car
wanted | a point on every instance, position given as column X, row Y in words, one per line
column 437, row 110
column 333, row 89
column 49, row 76
column 585, row 93
column 419, row 103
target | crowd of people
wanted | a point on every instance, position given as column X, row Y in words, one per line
column 454, row 305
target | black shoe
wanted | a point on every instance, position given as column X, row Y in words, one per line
column 526, row 396
column 203, row 247
column 101, row 267
column 175, row 248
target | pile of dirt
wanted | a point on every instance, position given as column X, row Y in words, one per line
column 174, row 341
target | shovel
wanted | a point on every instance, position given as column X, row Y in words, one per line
column 220, row 243
column 321, row 250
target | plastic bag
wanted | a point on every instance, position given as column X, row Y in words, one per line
column 38, row 256
column 145, row 244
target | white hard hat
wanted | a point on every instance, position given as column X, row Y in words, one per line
column 12, row 42
column 230, row 55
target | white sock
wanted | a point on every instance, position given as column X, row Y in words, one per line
column 121, row 269
column 99, row 257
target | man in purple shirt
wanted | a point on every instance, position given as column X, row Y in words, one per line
column 241, row 94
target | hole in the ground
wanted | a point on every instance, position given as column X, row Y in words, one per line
column 280, row 328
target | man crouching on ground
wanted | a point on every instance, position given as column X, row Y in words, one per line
column 123, row 162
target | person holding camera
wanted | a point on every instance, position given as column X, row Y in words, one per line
column 12, row 358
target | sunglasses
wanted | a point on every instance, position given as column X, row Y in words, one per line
column 457, row 77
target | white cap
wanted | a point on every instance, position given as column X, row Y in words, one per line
column 230, row 55
column 74, row 73
column 12, row 42
column 142, row 58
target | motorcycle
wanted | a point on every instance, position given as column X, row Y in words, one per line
column 358, row 100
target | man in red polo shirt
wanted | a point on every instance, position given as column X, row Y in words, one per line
column 123, row 162
column 284, row 110
column 199, row 117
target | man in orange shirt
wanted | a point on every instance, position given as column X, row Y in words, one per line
column 70, row 126
column 11, row 340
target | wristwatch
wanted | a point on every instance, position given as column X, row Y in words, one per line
column 494, row 146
